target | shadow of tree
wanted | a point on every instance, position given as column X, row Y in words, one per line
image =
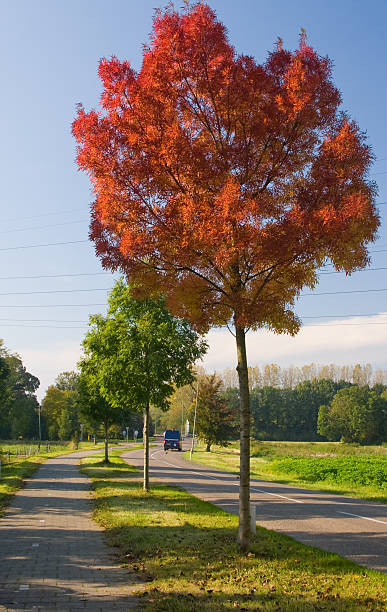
column 194, row 564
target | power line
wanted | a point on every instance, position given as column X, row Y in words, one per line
column 49, row 326
column 45, row 320
column 373, row 314
column 363, row 270
column 25, row 229
column 304, row 327
column 110, row 273
column 342, row 324
column 59, row 212
column 342, row 292
column 55, row 275
column 54, row 291
column 62, row 212
column 325, row 316
column 108, row 288
column 35, row 246
column 47, row 305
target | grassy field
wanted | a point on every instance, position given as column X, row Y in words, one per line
column 185, row 550
column 15, row 468
column 347, row 469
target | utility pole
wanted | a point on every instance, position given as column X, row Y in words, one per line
column 194, row 425
column 40, row 429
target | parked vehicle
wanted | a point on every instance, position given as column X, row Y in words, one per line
column 172, row 440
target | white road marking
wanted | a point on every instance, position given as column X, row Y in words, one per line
column 367, row 518
column 278, row 495
column 236, row 484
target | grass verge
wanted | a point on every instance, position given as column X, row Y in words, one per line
column 186, row 550
column 266, row 463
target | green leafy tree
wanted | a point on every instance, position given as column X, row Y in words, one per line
column 95, row 408
column 67, row 381
column 4, row 373
column 60, row 406
column 179, row 408
column 18, row 414
column 356, row 414
column 138, row 354
column 215, row 418
column 23, row 416
column 54, row 404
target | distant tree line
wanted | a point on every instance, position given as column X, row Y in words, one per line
column 314, row 410
column 18, row 404
column 307, row 403
column 273, row 375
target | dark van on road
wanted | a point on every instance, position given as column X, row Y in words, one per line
column 172, row 440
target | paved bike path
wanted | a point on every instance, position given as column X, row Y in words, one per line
column 52, row 554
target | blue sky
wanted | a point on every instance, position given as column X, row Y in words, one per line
column 50, row 51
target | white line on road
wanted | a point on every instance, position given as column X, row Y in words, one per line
column 363, row 517
column 277, row 495
column 236, row 484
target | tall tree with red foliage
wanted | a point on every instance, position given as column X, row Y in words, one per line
column 225, row 184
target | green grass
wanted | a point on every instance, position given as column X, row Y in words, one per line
column 336, row 470
column 314, row 449
column 185, row 550
column 345, row 469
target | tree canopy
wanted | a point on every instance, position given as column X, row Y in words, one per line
column 215, row 420
column 225, row 184
column 18, row 403
column 356, row 414
column 138, row 354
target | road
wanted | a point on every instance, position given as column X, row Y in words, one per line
column 353, row 528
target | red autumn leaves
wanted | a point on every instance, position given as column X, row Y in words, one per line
column 222, row 182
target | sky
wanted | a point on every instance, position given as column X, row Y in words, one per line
column 50, row 51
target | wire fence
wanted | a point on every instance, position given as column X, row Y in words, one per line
column 14, row 453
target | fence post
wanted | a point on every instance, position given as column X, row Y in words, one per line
column 253, row 518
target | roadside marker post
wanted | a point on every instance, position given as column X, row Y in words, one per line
column 253, row 518
column 194, row 425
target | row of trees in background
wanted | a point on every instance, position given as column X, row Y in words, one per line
column 313, row 410
column 273, row 375
column 18, row 404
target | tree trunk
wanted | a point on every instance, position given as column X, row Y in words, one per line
column 146, row 447
column 208, row 448
column 244, row 486
column 106, row 444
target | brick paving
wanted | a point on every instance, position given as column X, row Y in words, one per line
column 52, row 554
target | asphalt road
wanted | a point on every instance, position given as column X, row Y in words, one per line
column 353, row 528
